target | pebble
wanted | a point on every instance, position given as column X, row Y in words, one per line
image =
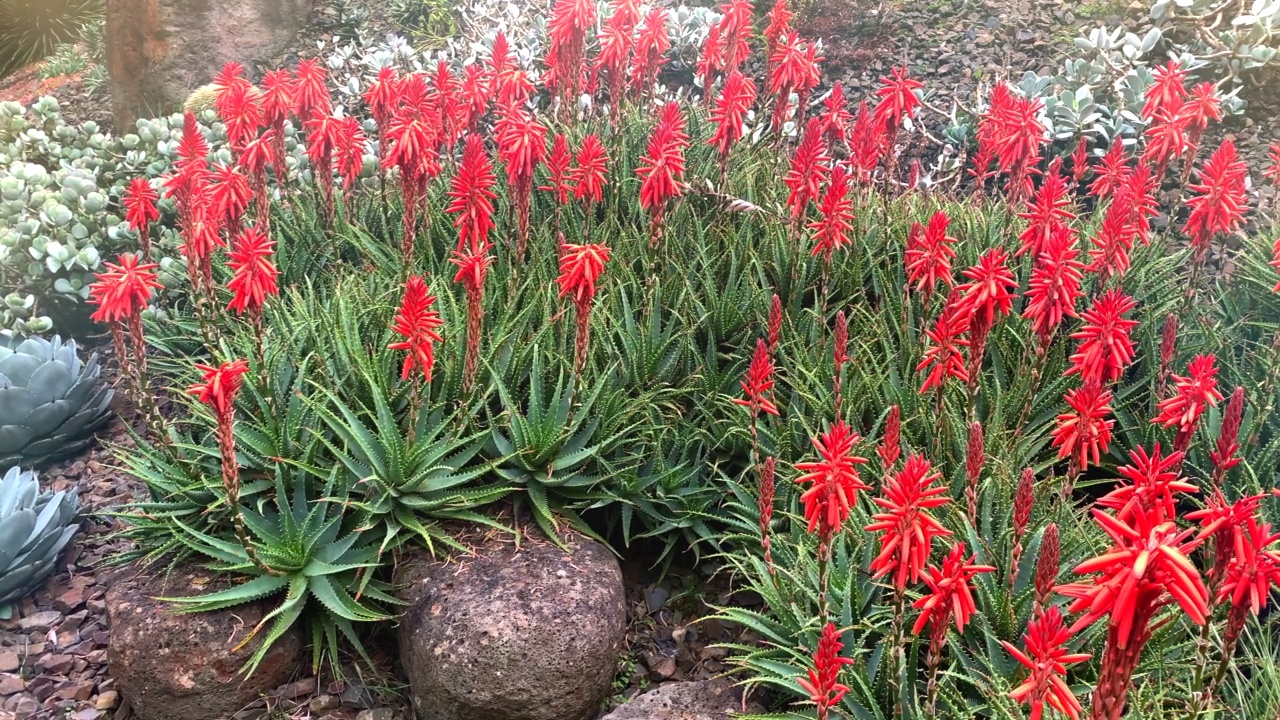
column 11, row 684
column 107, row 700
column 42, row 620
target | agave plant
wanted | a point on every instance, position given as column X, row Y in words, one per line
column 50, row 400
column 34, row 528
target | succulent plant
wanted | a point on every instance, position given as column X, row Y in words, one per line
column 50, row 400
column 34, row 528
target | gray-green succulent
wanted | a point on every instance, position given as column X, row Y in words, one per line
column 51, row 401
column 34, row 529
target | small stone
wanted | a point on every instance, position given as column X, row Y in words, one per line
column 78, row 691
column 40, row 621
column 298, row 689
column 376, row 714
column 9, row 661
column 70, row 600
column 660, row 667
column 107, row 700
column 86, row 714
column 11, row 684
column 22, row 706
column 57, row 664
column 323, row 703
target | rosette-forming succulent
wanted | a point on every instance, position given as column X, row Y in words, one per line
column 50, row 400
column 34, row 528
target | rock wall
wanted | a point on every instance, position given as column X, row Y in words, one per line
column 158, row 51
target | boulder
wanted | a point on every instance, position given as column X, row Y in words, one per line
column 702, row 700
column 507, row 633
column 158, row 51
column 183, row 667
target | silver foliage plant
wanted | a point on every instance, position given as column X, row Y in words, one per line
column 34, row 529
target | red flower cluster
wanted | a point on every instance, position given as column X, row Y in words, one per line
column 908, row 527
column 1047, row 657
column 417, row 323
column 1192, row 394
column 219, row 387
column 140, row 210
column 950, row 596
column 833, row 478
column 253, row 274
column 1105, row 349
column 1083, row 434
column 835, row 221
column 730, row 113
column 661, row 169
column 757, row 384
column 123, row 291
column 1054, row 288
column 823, row 683
column 1010, row 134
column 1220, row 206
column 929, row 254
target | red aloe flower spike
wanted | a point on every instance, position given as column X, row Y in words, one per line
column 711, row 61
column 123, row 291
column 558, row 170
column 471, row 197
column 1140, row 196
column 840, row 356
column 794, row 66
column 1223, row 455
column 475, row 96
column 1152, row 483
column 758, row 382
column 661, row 169
column 810, row 167
column 987, row 294
column 1192, row 394
column 835, row 118
column 1083, row 434
column 383, row 96
column 778, row 27
column 199, row 239
column 1168, row 345
column 1105, row 349
column 616, row 44
column 908, row 527
column 230, row 195
column 278, row 90
column 866, row 142
column 417, row 323
column 738, row 18
column 239, row 107
column 348, row 154
column 1047, row 658
column 730, row 116
column 1223, row 521
column 975, row 457
column 1023, row 499
column 765, row 507
column 835, row 217
column 1166, row 91
column 1012, row 134
column 1080, row 160
column 1111, row 173
column 1222, row 199
column 580, row 268
column 822, row 685
column 1047, row 213
column 1110, row 254
column 943, row 356
column 898, row 103
column 891, row 445
column 1054, row 288
column 1272, row 172
column 473, row 267
column 833, row 479
column 1203, row 107
column 775, row 322
column 522, row 143
column 590, row 173
column 567, row 33
column 950, row 597
column 1166, row 140
column 140, row 211
column 253, row 273
column 324, row 136
column 254, row 159
column 929, row 259
column 311, row 95
column 650, row 50
column 1047, row 565
column 1146, row 568
column 412, row 146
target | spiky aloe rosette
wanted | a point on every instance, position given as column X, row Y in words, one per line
column 51, row 400
column 34, row 529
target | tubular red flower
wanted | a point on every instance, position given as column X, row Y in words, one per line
column 737, row 26
column 833, row 478
column 616, row 44
column 511, row 86
column 580, row 267
column 1105, row 349
column 950, row 595
column 943, row 356
column 651, row 48
column 1047, row 563
column 1253, row 568
column 238, row 104
column 987, row 294
column 730, row 112
column 835, row 117
column 794, row 66
column 866, row 142
column 1111, row 173
column 417, row 323
column 712, row 59
column 775, row 322
column 840, row 342
column 471, row 193
column 383, row 96
column 219, row 387
column 929, row 258
column 898, row 98
column 757, row 384
column 522, row 143
column 661, row 169
column 1111, row 246
column 1023, row 499
column 1080, row 160
column 1151, row 483
column 1010, row 133
column 835, row 217
column 1083, row 434
column 123, row 291
column 1224, row 452
column 1192, row 394
column 1222, row 199
column 311, row 95
column 1166, row 139
column 908, row 528
column 278, row 90
column 567, row 33
column 810, row 167
column 558, row 162
column 779, row 26
column 348, row 154
column 475, row 95
column 975, row 457
column 140, row 210
column 1047, row 658
column 822, row 685
column 1047, row 213
column 229, row 195
column 1203, row 106
column 891, row 445
column 253, row 273
column 1054, row 288
column 1166, row 91
column 1272, row 172
column 589, row 174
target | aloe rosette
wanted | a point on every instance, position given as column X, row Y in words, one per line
column 34, row 529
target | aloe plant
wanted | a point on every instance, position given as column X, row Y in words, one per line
column 34, row 529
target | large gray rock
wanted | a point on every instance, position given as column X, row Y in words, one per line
column 158, row 51
column 507, row 634
column 182, row 667
column 703, row 700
